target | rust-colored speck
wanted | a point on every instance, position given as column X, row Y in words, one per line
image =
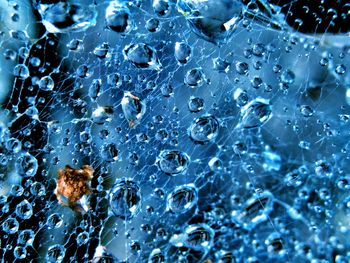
column 73, row 184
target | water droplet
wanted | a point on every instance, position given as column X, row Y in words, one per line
column 156, row 256
column 20, row 252
column 101, row 115
column 109, row 152
column 24, row 210
column 323, row 168
column 13, row 145
column 306, row 111
column 118, row 18
column 82, row 238
column 294, row 178
column 46, row 83
column 340, row 69
column 26, row 237
column 204, row 129
column 225, row 257
column 161, row 7
column 195, row 77
column 242, row 68
column 10, row 225
column 215, row 164
column 173, row 162
column 195, row 104
column 256, row 113
column 54, row 221
column 212, row 20
column 255, row 211
column 287, row 76
column 75, row 45
column 134, row 108
column 55, row 254
column 114, row 80
column 221, row 65
column 142, row 56
column 199, row 237
column 241, row 97
column 101, row 50
column 182, row 52
column 94, row 89
column 125, row 199
column 21, row 71
column 65, row 17
column 182, row 199
column 153, row 25
column 27, row 165
column 167, row 90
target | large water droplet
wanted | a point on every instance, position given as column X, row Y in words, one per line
column 156, row 256
column 255, row 211
column 182, row 52
column 182, row 199
column 54, row 221
column 46, row 83
column 65, row 17
column 125, row 199
column 55, row 254
column 10, row 225
column 142, row 56
column 213, row 20
column 24, row 210
column 27, row 165
column 195, row 77
column 204, row 129
column 134, row 108
column 255, row 114
column 118, row 17
column 26, row 237
column 21, row 71
column 173, row 162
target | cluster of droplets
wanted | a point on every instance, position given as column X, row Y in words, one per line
column 212, row 137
